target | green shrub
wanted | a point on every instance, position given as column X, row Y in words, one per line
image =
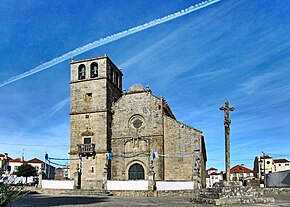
column 9, row 193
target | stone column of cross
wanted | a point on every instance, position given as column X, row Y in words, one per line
column 227, row 123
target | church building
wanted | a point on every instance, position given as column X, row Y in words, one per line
column 120, row 134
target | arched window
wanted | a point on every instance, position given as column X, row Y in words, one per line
column 94, row 70
column 136, row 172
column 82, row 72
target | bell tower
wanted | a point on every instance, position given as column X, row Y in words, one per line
column 95, row 84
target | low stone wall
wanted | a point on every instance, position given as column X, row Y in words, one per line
column 276, row 191
column 178, row 193
column 171, row 193
column 53, row 191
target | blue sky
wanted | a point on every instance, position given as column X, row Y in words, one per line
column 232, row 50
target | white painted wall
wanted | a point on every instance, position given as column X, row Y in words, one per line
column 58, row 184
column 166, row 185
column 127, row 185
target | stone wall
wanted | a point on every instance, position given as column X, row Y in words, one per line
column 129, row 141
column 172, row 193
column 90, row 117
column 276, row 191
column 180, row 143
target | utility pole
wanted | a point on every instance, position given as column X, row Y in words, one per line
column 264, row 169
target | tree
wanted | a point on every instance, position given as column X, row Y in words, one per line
column 26, row 170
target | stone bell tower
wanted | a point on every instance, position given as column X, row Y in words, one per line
column 94, row 85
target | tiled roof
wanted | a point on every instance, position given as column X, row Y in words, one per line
column 212, row 168
column 265, row 157
column 16, row 160
column 240, row 169
column 280, row 161
column 214, row 173
column 35, row 160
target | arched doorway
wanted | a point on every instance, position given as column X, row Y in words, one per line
column 136, row 172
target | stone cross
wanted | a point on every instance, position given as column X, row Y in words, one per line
column 227, row 123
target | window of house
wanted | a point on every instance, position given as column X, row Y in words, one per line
column 88, row 97
column 111, row 73
column 87, row 140
column 92, row 169
column 117, row 80
column 82, row 72
column 114, row 77
column 268, row 162
column 287, row 164
column 248, row 174
column 241, row 175
column 94, row 70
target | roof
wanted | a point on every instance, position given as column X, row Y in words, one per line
column 3, row 156
column 212, row 168
column 16, row 160
column 35, row 160
column 240, row 169
column 280, row 161
column 265, row 157
column 136, row 88
column 214, row 173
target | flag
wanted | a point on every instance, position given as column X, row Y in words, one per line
column 154, row 155
column 109, row 155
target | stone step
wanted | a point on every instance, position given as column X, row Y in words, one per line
column 99, row 192
column 88, row 192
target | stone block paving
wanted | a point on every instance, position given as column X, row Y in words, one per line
column 109, row 201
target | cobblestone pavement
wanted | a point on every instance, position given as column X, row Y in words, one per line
column 90, row 201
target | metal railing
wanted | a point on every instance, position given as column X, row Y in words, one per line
column 86, row 148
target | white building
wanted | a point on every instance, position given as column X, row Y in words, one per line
column 266, row 164
column 38, row 164
column 213, row 177
column 281, row 165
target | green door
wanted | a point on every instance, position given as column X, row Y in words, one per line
column 136, row 172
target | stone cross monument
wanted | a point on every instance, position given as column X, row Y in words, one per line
column 227, row 123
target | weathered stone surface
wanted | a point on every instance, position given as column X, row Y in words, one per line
column 231, row 194
column 130, row 125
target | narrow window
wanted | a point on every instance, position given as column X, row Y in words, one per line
column 109, row 72
column 112, row 73
column 92, row 169
column 87, row 141
column 115, row 78
column 88, row 97
column 94, row 70
column 82, row 72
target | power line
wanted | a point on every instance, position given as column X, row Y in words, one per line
column 36, row 145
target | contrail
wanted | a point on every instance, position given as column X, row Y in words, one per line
column 109, row 39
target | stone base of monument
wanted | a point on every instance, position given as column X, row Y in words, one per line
column 231, row 193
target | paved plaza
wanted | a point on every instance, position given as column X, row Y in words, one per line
column 109, row 201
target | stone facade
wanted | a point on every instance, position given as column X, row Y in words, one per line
column 130, row 125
